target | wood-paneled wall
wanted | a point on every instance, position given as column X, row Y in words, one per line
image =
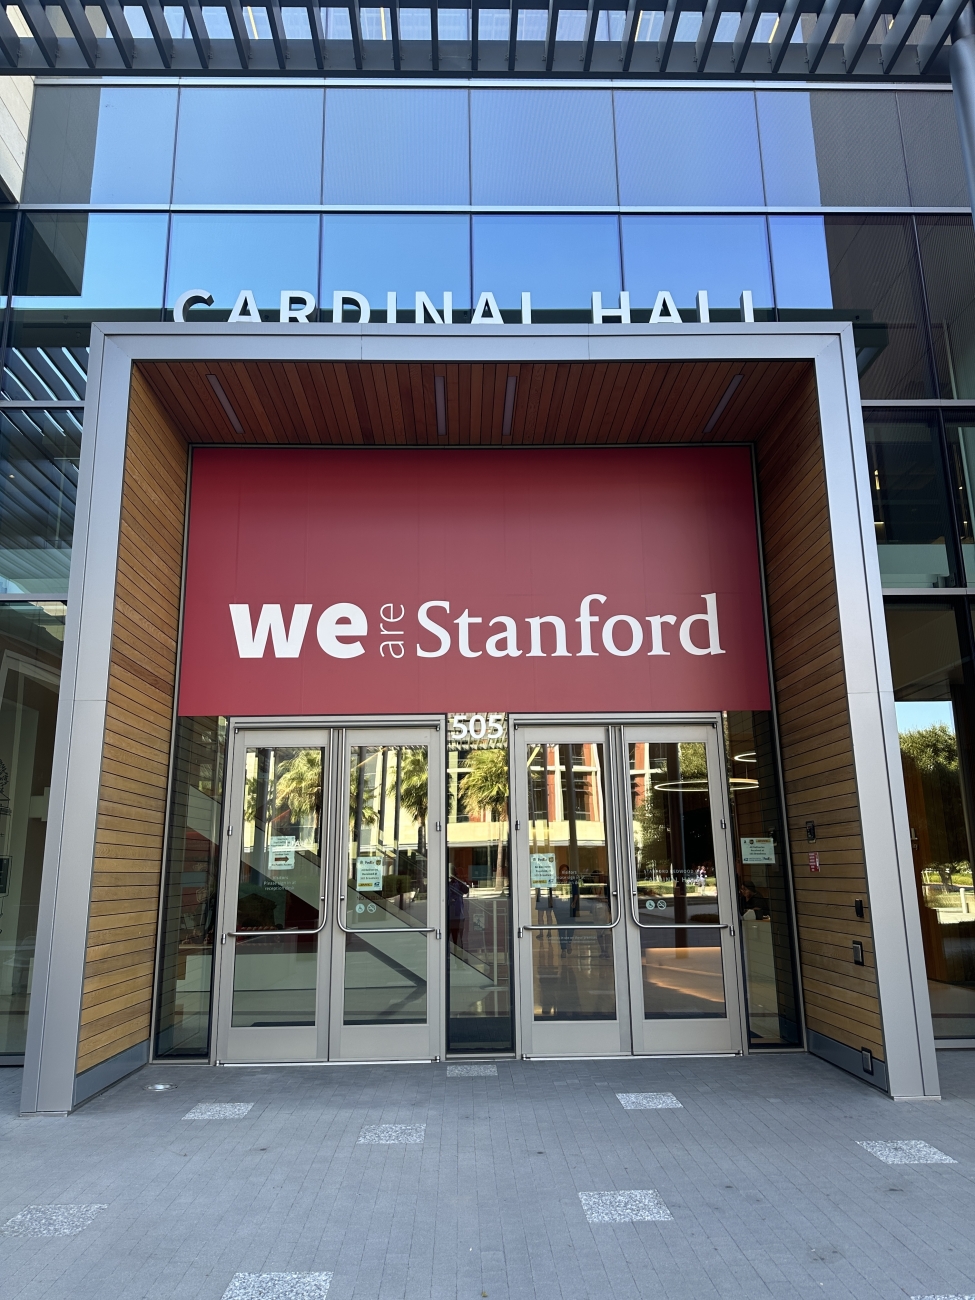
column 117, row 996
column 841, row 998
column 774, row 406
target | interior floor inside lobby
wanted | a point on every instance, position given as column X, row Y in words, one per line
column 773, row 1175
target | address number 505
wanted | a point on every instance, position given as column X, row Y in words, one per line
column 477, row 726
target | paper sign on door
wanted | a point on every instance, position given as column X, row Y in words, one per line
column 368, row 873
column 281, row 853
column 543, row 870
column 758, row 850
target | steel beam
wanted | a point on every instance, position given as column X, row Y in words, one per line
column 932, row 42
column 859, row 38
column 746, row 30
column 198, row 31
column 41, row 29
column 161, row 34
column 780, row 42
column 900, row 33
column 278, row 35
column 81, row 30
column 238, row 29
column 705, row 37
column 829, row 16
column 119, row 28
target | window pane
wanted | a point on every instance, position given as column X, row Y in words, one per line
column 697, row 147
column 722, row 255
column 542, row 147
column 559, row 260
column 396, row 146
column 225, row 253
column 858, row 147
column 376, row 254
column 39, row 455
column 31, row 640
column 190, row 897
column 761, row 873
column 910, row 506
column 932, row 717
column 935, row 169
column 134, row 151
column 478, row 889
column 948, row 259
column 961, row 455
column 875, row 280
column 61, row 146
column 73, row 268
column 251, row 145
column 788, row 148
column 800, row 263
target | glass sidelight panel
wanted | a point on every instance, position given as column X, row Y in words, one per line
column 572, row 955
column 386, row 885
column 478, row 885
column 279, row 888
column 676, row 881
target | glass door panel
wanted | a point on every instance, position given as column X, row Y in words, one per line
column 386, row 982
column 568, row 896
column 676, row 885
column 386, row 885
column 272, row 928
column 681, row 923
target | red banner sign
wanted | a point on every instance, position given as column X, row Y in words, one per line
column 325, row 581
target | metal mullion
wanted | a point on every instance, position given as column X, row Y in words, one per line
column 956, row 550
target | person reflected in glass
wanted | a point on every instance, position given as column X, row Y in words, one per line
column 752, row 905
column 457, row 891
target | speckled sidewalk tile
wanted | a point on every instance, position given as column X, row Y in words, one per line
column 649, row 1101
column 219, row 1110
column 278, row 1286
column 51, row 1220
column 907, row 1153
column 624, row 1207
column 380, row 1134
column 486, row 1070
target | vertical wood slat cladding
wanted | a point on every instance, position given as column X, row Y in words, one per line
column 117, row 995
column 394, row 404
column 841, row 999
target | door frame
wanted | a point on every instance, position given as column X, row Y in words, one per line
column 267, row 727
column 618, row 833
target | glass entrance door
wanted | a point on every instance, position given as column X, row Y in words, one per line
column 623, row 886
column 331, row 898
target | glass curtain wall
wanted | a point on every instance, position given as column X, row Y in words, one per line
column 31, row 641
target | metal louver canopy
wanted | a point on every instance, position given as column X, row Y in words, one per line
column 862, row 39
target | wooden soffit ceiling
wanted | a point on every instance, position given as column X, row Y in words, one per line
column 395, row 403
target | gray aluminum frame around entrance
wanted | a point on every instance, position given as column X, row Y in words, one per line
column 49, row 1074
